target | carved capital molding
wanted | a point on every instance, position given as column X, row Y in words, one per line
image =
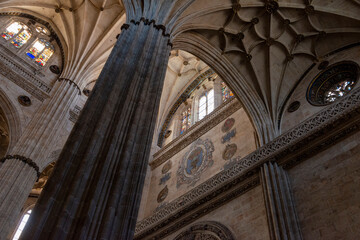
column 195, row 131
column 23, row 159
column 149, row 22
column 71, row 82
column 317, row 133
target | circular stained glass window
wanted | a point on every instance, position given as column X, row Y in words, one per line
column 332, row 83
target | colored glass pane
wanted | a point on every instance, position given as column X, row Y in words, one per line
column 226, row 92
column 21, row 38
column 44, row 56
column 185, row 120
column 42, row 30
column 12, row 30
column 36, row 49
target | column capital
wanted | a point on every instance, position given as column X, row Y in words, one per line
column 25, row 160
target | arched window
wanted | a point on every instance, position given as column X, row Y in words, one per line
column 185, row 120
column 226, row 92
column 18, row 32
column 206, row 104
column 41, row 51
column 22, row 224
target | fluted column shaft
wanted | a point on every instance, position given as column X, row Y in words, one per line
column 281, row 212
column 95, row 189
column 17, row 177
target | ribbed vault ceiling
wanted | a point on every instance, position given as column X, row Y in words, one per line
column 88, row 29
column 272, row 43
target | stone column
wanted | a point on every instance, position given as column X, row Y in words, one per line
column 281, row 212
column 95, row 189
column 21, row 168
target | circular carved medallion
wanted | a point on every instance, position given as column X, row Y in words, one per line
column 293, row 106
column 163, row 194
column 168, row 133
column 166, row 167
column 332, row 83
column 195, row 161
column 24, row 100
column 55, row 69
column 228, row 124
column 229, row 151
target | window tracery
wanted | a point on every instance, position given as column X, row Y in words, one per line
column 18, row 32
column 41, row 51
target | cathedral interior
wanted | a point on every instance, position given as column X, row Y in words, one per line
column 179, row 119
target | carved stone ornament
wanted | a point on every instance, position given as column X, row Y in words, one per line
column 206, row 231
column 167, row 166
column 86, row 92
column 168, row 133
column 228, row 136
column 55, row 69
column 293, row 106
column 165, row 178
column 24, row 100
column 229, row 151
column 163, row 194
column 228, row 124
column 195, row 162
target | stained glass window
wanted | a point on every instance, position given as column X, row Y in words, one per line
column 185, row 120
column 41, row 51
column 226, row 92
column 21, row 38
column 12, row 30
column 19, row 32
column 22, row 225
column 206, row 104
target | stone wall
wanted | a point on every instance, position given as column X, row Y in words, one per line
column 326, row 192
column 177, row 181
column 244, row 216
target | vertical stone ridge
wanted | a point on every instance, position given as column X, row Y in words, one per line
column 280, row 209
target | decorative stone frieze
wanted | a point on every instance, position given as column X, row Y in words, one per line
column 21, row 77
column 330, row 125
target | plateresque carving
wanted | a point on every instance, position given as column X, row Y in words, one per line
column 195, row 162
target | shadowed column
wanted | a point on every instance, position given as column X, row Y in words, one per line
column 281, row 212
column 95, row 189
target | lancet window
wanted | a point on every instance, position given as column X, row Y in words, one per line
column 22, row 224
column 206, row 104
